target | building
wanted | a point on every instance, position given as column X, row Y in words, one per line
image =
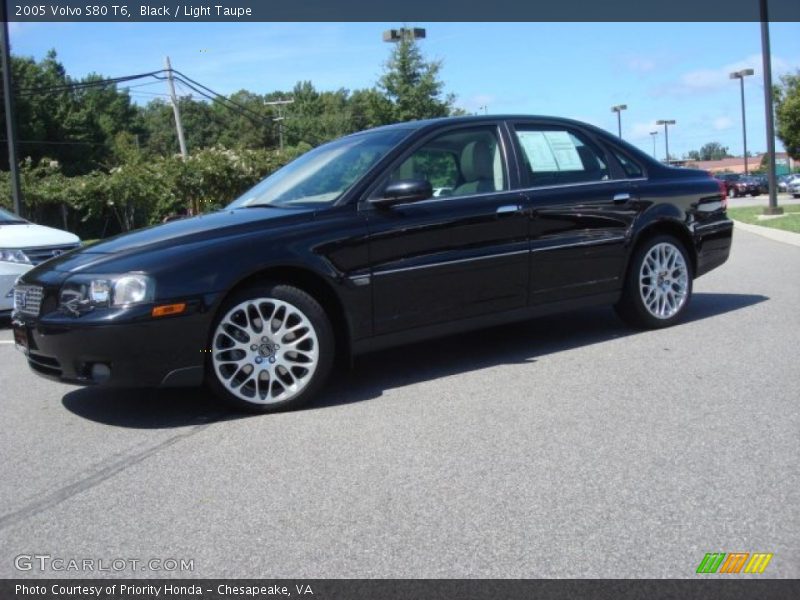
column 783, row 163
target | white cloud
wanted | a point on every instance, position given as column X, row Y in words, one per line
column 711, row 80
column 722, row 123
column 641, row 130
column 640, row 64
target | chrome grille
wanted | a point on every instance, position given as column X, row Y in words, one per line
column 28, row 299
column 39, row 255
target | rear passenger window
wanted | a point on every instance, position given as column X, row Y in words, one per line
column 632, row 170
column 556, row 156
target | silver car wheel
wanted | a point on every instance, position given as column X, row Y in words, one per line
column 664, row 281
column 265, row 351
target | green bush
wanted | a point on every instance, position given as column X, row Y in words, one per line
column 142, row 191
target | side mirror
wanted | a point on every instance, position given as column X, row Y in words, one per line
column 404, row 190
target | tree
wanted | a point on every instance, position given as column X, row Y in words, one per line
column 787, row 113
column 709, row 151
column 412, row 85
column 75, row 126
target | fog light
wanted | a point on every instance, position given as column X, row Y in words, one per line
column 100, row 372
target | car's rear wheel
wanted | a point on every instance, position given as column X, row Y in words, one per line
column 271, row 348
column 658, row 285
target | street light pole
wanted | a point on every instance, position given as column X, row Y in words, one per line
column 773, row 208
column 740, row 75
column 653, row 134
column 404, row 33
column 618, row 109
column 666, row 123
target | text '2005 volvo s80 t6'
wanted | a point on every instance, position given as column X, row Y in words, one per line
column 347, row 249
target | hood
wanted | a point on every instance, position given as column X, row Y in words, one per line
column 30, row 235
column 180, row 233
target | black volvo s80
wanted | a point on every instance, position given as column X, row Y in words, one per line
column 348, row 249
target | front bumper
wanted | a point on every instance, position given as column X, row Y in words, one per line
column 137, row 351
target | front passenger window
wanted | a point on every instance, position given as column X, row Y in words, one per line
column 457, row 163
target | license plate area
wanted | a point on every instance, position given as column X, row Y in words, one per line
column 21, row 341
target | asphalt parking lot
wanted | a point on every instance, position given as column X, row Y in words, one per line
column 564, row 447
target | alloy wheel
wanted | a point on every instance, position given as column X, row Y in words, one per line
column 265, row 351
column 664, row 280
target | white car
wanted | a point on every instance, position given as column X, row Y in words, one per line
column 23, row 245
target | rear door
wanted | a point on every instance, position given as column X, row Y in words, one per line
column 460, row 254
column 582, row 209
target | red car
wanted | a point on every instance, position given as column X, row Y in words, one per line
column 736, row 185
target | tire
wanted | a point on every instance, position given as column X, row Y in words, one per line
column 650, row 303
column 271, row 348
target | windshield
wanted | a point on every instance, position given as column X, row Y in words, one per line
column 322, row 175
column 9, row 218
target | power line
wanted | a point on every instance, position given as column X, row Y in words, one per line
column 85, row 84
column 59, row 143
column 210, row 91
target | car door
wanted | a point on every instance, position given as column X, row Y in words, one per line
column 459, row 254
column 582, row 207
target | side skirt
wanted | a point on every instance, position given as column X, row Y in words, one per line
column 443, row 329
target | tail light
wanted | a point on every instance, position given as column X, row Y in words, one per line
column 723, row 192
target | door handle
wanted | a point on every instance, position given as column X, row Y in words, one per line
column 621, row 198
column 508, row 208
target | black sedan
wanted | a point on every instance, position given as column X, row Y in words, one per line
column 347, row 249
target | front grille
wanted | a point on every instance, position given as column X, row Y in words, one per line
column 28, row 299
column 39, row 255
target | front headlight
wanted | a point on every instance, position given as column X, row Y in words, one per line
column 14, row 255
column 86, row 292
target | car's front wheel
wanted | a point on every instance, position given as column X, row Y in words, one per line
column 659, row 284
column 271, row 348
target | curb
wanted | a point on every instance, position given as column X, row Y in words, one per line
column 779, row 235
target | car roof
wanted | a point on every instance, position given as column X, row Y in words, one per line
column 477, row 119
column 423, row 124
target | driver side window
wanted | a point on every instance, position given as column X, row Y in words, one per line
column 457, row 163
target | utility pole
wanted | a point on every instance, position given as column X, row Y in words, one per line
column 11, row 116
column 175, row 109
column 279, row 119
column 773, row 208
column 653, row 135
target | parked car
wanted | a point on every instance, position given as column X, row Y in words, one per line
column 784, row 181
column 761, row 184
column 794, row 187
column 345, row 250
column 24, row 245
column 737, row 185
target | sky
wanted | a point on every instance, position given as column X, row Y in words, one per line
column 674, row 71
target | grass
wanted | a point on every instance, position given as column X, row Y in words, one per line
column 790, row 221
